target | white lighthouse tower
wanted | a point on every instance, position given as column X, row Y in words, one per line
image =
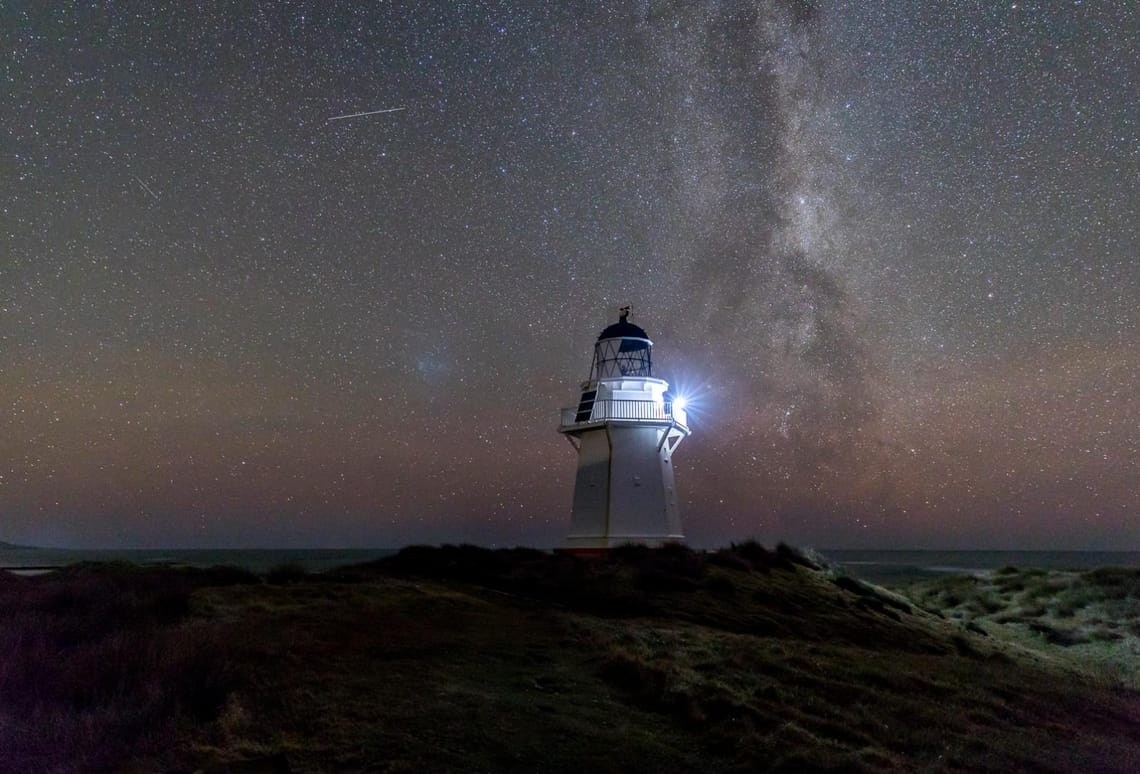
column 625, row 427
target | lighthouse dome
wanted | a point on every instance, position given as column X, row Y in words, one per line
column 623, row 349
column 623, row 330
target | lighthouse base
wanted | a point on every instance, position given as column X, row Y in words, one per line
column 624, row 490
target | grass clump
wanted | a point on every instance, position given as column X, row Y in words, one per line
column 874, row 597
column 287, row 573
column 107, row 653
column 1093, row 615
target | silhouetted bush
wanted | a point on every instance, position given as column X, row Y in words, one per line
column 99, row 662
column 672, row 567
column 721, row 586
column 1055, row 636
column 1115, row 582
column 729, row 559
column 796, row 556
column 599, row 584
column 1010, row 583
column 227, row 575
column 976, row 629
column 759, row 557
column 635, row 676
column 847, row 583
column 284, row 574
column 873, row 598
column 629, row 553
column 462, row 562
column 1104, row 634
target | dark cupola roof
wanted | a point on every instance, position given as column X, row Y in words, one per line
column 623, row 329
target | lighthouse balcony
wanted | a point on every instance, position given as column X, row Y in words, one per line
column 623, row 412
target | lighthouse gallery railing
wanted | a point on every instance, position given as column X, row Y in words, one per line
column 628, row 410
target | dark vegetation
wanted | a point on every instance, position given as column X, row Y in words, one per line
column 459, row 658
column 1095, row 613
column 99, row 663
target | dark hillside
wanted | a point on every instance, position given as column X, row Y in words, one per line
column 464, row 659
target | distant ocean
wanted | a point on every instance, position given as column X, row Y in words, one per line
column 883, row 567
column 30, row 560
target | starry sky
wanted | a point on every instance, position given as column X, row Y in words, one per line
column 891, row 255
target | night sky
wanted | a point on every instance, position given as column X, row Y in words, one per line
column 891, row 254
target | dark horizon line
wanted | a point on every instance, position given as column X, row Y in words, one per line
column 23, row 546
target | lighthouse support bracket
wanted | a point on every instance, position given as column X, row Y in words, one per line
column 669, row 434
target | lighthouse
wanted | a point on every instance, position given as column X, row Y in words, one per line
column 625, row 429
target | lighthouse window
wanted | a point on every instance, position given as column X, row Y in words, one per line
column 622, row 357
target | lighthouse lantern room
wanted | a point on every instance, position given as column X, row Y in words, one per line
column 625, row 428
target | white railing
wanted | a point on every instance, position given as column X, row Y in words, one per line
column 624, row 410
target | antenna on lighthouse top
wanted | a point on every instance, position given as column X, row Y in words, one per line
column 624, row 311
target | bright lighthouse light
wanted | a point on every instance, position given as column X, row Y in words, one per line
column 680, row 402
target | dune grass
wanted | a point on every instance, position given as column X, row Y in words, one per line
column 1092, row 616
column 463, row 659
column 103, row 663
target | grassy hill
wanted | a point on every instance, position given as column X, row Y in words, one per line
column 1093, row 616
column 465, row 659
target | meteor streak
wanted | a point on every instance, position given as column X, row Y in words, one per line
column 146, row 187
column 369, row 113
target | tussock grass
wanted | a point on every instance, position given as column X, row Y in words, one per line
column 1093, row 615
column 459, row 658
column 283, row 574
column 100, row 663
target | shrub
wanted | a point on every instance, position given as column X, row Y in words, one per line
column 847, row 583
column 462, row 562
column 973, row 627
column 872, row 597
column 1105, row 634
column 989, row 604
column 721, row 586
column 1010, row 583
column 672, row 567
column 1115, row 582
column 227, row 575
column 636, row 676
column 759, row 557
column 730, row 560
column 796, row 556
column 630, row 553
column 98, row 663
column 1055, row 636
column 284, row 574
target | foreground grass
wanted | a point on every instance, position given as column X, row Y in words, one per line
column 462, row 659
column 100, row 664
column 1090, row 616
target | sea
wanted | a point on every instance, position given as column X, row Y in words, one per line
column 29, row 560
column 882, row 567
column 900, row 567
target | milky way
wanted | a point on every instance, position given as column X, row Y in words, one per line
column 323, row 273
